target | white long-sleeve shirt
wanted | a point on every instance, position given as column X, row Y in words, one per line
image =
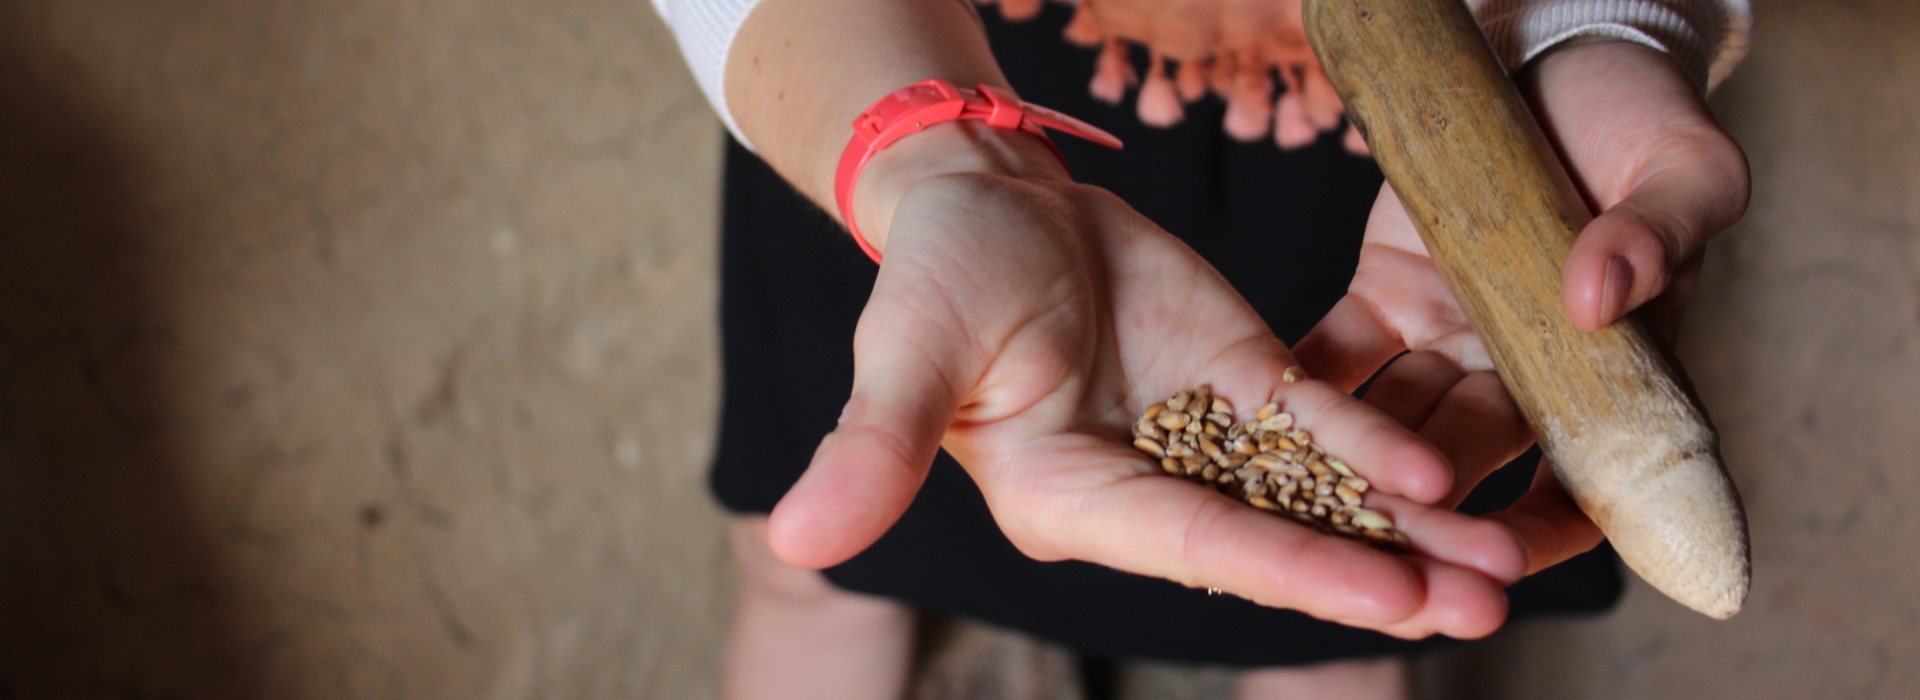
column 1707, row 37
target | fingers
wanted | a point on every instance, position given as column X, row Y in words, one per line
column 1645, row 148
column 1349, row 345
column 1478, row 428
column 1626, row 256
column 1549, row 523
column 1380, row 449
column 1467, row 416
column 866, row 472
column 1179, row 531
column 1168, row 528
column 1484, row 546
column 1473, row 608
column 1413, row 386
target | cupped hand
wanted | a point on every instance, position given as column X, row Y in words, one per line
column 1649, row 156
column 1023, row 322
column 1235, row 48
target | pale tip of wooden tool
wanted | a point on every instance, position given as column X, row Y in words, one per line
column 1676, row 521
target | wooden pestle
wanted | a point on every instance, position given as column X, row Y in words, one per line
column 1618, row 419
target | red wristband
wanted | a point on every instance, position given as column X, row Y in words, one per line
column 923, row 104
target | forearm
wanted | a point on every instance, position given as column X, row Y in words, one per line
column 801, row 70
column 1705, row 37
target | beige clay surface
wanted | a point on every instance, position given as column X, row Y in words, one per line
column 364, row 349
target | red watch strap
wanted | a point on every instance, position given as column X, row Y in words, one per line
column 912, row 109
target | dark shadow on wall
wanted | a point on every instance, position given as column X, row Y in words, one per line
column 110, row 584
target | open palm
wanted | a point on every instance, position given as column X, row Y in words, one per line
column 1022, row 324
column 1649, row 156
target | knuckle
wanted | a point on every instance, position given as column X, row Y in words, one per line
column 1707, row 155
column 1665, row 228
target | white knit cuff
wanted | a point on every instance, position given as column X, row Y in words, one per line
column 1707, row 37
column 705, row 30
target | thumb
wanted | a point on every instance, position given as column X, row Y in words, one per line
column 866, row 472
column 1695, row 187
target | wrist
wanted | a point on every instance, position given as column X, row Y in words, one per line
column 1598, row 87
column 1590, row 54
column 950, row 148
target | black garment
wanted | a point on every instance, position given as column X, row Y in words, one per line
column 1283, row 227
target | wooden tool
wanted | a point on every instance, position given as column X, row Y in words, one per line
column 1617, row 417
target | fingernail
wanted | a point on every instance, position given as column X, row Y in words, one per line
column 1613, row 295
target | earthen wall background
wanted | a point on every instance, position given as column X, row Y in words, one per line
column 365, row 349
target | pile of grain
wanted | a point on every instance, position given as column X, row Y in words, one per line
column 1267, row 463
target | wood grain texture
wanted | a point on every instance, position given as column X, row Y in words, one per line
column 1498, row 213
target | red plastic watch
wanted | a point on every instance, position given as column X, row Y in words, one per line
column 923, row 104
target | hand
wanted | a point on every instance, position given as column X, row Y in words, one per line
column 1648, row 155
column 1022, row 322
column 1233, row 47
